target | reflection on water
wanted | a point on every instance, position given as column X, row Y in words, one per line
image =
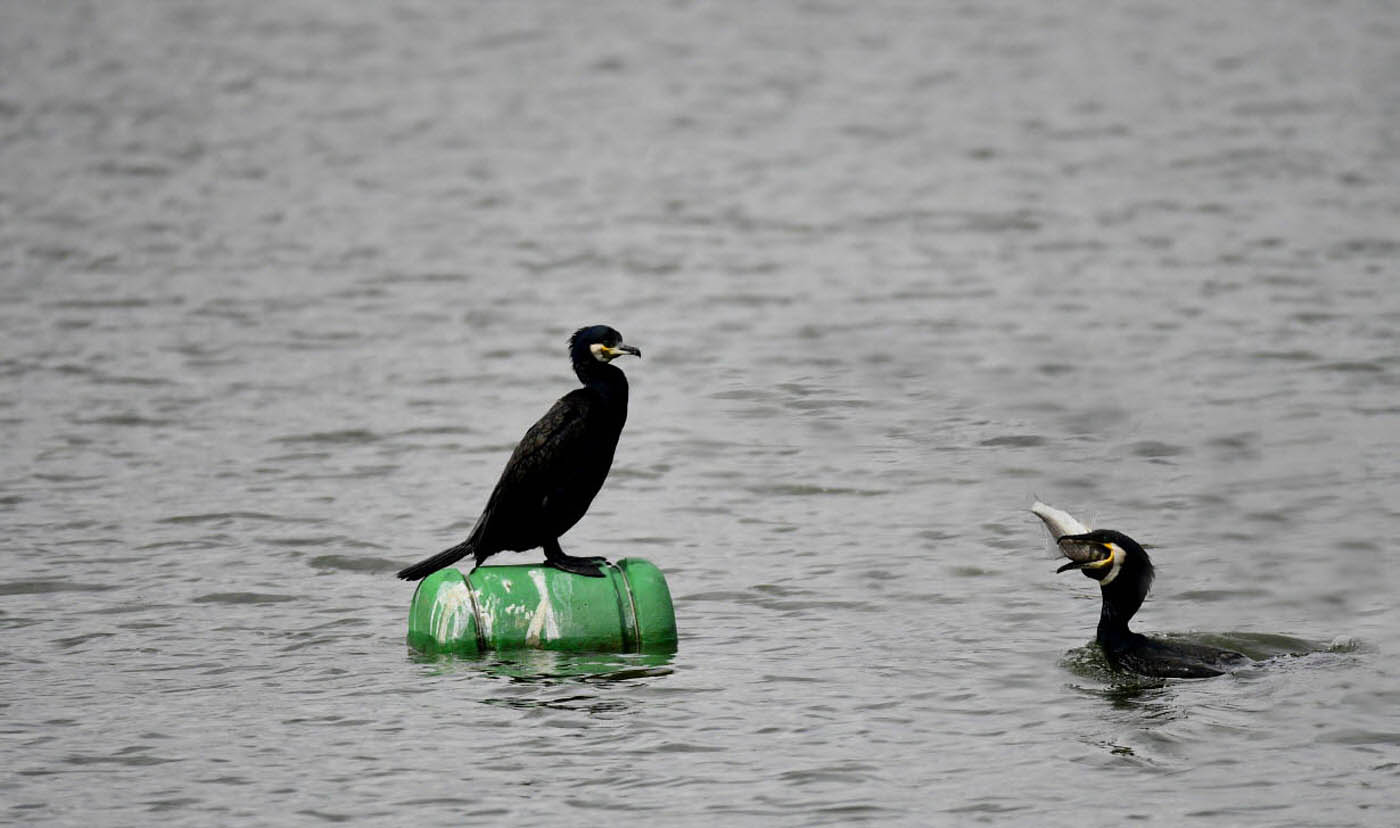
column 595, row 684
column 549, row 667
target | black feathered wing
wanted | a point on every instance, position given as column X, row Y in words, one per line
column 548, row 483
column 1177, row 659
column 552, row 476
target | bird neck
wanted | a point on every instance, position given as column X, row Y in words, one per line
column 608, row 380
column 1118, row 607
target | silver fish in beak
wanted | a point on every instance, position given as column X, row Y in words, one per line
column 1062, row 525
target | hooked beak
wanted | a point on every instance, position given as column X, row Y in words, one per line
column 1098, row 559
column 1083, row 550
column 603, row 353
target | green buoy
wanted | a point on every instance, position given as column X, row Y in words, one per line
column 534, row 606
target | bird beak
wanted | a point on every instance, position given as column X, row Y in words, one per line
column 603, row 353
column 1100, row 560
column 1081, row 549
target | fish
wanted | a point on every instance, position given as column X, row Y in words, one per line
column 1060, row 524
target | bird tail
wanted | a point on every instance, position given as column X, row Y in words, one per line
column 428, row 566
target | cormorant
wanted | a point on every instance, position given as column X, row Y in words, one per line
column 556, row 469
column 1124, row 573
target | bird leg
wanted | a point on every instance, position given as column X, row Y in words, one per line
column 591, row 567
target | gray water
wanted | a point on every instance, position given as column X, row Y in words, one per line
column 281, row 285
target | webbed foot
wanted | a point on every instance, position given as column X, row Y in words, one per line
column 590, row 567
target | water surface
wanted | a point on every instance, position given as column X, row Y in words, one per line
column 280, row 286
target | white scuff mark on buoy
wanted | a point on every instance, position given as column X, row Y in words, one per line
column 487, row 602
column 543, row 624
column 448, row 620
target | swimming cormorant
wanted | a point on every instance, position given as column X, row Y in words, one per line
column 1124, row 573
column 556, row 469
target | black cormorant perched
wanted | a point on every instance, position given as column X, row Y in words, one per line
column 1124, row 573
column 557, row 468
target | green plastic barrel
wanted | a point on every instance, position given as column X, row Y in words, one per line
column 540, row 607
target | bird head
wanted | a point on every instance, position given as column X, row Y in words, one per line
column 600, row 343
column 1108, row 557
